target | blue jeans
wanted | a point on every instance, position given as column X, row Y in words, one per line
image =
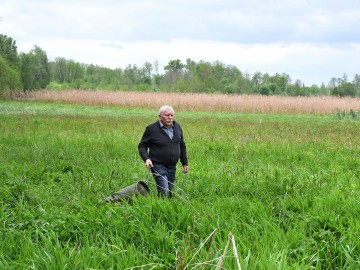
column 164, row 178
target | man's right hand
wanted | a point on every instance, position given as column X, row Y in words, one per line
column 148, row 163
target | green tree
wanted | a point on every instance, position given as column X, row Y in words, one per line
column 58, row 69
column 35, row 70
column 9, row 79
column 297, row 89
column 131, row 74
column 75, row 72
column 27, row 73
column 267, row 89
column 204, row 72
column 9, row 66
column 282, row 82
column 234, row 81
column 146, row 72
column 356, row 83
column 313, row 90
column 173, row 73
column 42, row 70
column 341, row 87
column 257, row 79
column 174, row 65
column 8, row 50
column 345, row 89
column 323, row 90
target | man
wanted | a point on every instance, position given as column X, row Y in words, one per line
column 161, row 147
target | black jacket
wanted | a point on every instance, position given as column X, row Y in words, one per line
column 162, row 149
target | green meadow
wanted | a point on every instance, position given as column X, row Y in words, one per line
column 264, row 191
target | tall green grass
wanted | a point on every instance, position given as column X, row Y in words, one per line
column 286, row 187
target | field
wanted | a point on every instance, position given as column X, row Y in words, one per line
column 266, row 190
column 202, row 102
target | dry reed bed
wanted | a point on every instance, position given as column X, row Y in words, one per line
column 201, row 102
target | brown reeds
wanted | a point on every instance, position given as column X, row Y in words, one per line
column 202, row 102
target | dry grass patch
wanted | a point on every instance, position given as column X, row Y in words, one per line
column 201, row 102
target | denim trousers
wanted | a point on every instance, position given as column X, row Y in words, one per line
column 164, row 178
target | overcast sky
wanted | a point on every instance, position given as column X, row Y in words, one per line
column 310, row 40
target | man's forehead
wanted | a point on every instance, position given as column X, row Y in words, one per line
column 168, row 111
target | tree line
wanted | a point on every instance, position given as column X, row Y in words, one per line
column 33, row 71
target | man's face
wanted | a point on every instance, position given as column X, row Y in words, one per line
column 167, row 118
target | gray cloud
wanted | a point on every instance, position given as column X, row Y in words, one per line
column 228, row 21
column 194, row 29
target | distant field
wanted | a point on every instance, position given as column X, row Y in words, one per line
column 203, row 102
column 286, row 187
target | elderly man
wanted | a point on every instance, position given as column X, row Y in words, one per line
column 161, row 147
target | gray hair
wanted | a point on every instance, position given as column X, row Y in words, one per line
column 164, row 108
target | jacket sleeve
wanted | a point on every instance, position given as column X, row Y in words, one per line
column 144, row 144
column 183, row 153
